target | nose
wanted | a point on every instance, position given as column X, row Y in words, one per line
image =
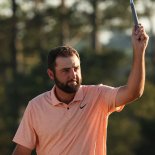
column 72, row 73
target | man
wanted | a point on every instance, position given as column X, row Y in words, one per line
column 71, row 119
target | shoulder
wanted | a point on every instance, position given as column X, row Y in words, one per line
column 97, row 88
column 40, row 99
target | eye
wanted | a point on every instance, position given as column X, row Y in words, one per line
column 66, row 70
column 76, row 68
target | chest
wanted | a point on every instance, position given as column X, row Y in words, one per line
column 58, row 123
column 58, row 120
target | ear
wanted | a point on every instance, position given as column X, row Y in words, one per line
column 50, row 74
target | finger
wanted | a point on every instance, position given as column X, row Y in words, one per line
column 139, row 30
column 140, row 33
column 136, row 27
column 143, row 36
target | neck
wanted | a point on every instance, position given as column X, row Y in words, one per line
column 63, row 96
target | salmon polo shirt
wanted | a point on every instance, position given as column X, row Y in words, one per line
column 79, row 128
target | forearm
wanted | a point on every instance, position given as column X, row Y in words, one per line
column 21, row 150
column 136, row 80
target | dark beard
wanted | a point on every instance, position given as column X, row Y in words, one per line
column 67, row 88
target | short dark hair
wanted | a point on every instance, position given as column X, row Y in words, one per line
column 61, row 51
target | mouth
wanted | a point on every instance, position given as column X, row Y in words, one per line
column 73, row 82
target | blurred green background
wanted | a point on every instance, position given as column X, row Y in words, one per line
column 101, row 31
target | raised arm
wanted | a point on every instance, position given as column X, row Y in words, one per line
column 21, row 150
column 136, row 81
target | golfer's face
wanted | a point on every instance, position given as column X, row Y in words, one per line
column 68, row 73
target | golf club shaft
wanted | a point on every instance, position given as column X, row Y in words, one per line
column 134, row 14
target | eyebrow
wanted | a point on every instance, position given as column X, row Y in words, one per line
column 70, row 67
column 65, row 68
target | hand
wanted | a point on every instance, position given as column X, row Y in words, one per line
column 139, row 39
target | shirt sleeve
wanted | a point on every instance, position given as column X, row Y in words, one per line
column 25, row 134
column 109, row 98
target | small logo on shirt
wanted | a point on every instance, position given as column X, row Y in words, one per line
column 81, row 107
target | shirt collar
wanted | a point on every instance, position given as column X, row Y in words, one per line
column 78, row 96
